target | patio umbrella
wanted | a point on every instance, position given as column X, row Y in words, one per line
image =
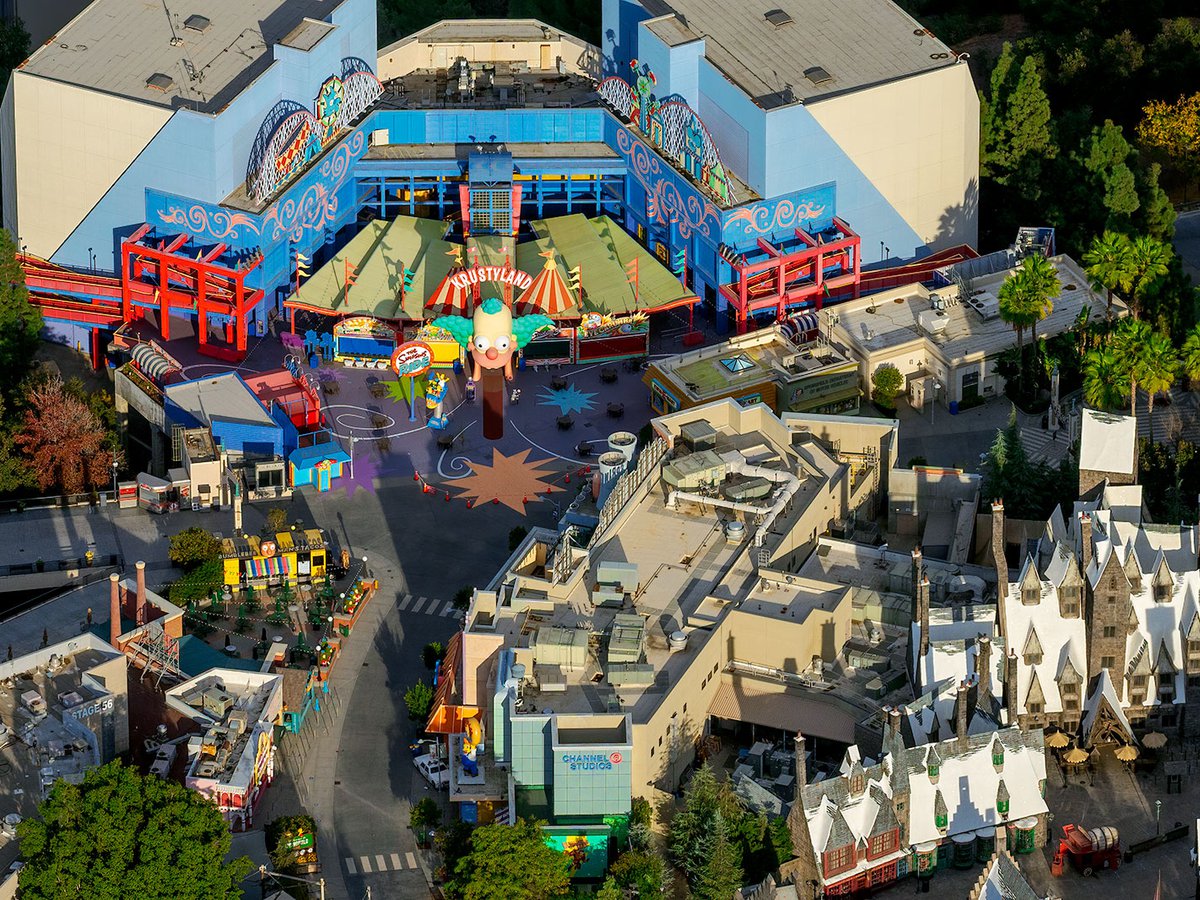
column 1058, row 740
column 1126, row 753
column 548, row 295
column 1155, row 740
column 1075, row 756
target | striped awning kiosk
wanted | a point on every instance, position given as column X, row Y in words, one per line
column 270, row 567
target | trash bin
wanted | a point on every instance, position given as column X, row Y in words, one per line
column 954, row 407
column 314, row 361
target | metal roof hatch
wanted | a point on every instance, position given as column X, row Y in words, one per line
column 778, row 17
column 160, row 82
column 817, row 75
column 197, row 22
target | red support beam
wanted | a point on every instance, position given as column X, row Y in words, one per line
column 174, row 246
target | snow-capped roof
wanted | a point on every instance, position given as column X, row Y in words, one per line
column 1104, row 690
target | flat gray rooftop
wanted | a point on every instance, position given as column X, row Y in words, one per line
column 220, row 397
column 209, row 50
column 858, row 43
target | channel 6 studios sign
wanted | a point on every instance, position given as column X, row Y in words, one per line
column 592, row 762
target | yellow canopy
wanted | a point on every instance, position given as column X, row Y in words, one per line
column 1075, row 756
column 1058, row 740
column 1126, row 753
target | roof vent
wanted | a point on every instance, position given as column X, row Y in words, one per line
column 197, row 23
column 777, row 17
column 817, row 75
column 160, row 82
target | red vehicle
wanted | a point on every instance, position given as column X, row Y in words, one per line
column 1088, row 849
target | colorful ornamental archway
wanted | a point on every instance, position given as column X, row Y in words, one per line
column 291, row 136
column 672, row 127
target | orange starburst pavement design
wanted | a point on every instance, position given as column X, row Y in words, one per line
column 509, row 479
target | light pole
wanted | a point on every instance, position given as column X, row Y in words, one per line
column 937, row 386
column 114, row 468
column 366, row 571
column 1157, row 817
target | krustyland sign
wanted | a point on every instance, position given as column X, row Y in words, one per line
column 499, row 274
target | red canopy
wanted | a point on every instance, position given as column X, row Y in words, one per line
column 548, row 295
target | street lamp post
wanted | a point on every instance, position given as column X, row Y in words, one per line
column 114, row 468
column 1157, row 817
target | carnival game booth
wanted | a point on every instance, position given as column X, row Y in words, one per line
column 293, row 556
column 363, row 341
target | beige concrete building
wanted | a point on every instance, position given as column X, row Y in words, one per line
column 947, row 342
column 518, row 44
column 683, row 605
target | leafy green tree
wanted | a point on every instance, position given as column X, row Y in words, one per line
column 418, row 699
column 276, row 520
column 1104, row 377
column 1107, row 159
column 119, row 834
column 1109, row 264
column 511, row 862
column 1150, row 260
column 452, row 842
column 424, row 815
column 1157, row 215
column 14, row 47
column 886, row 382
column 193, row 546
column 641, row 870
column 699, row 841
column 431, row 653
column 1127, row 341
column 1189, row 356
column 1158, row 367
column 1015, row 124
column 198, row 583
column 609, row 890
column 20, row 321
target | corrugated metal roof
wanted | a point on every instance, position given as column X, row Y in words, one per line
column 115, row 46
column 858, row 42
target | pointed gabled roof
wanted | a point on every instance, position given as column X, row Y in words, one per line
column 932, row 758
column 1133, row 570
column 1002, row 795
column 1034, row 694
column 885, row 819
column 1164, row 665
column 1067, row 674
column 939, row 805
column 997, row 746
column 839, row 832
column 1139, row 663
column 1162, row 572
column 1193, row 630
column 1103, row 717
column 1030, row 580
column 1033, row 647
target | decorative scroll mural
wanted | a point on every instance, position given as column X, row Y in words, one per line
column 672, row 128
column 291, row 136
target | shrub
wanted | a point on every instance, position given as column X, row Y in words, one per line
column 885, row 385
column 193, row 546
column 418, row 699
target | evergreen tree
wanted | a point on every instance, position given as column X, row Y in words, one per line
column 20, row 321
column 511, row 862
column 1157, row 215
column 1016, row 135
column 1106, row 157
column 1009, row 475
column 721, row 874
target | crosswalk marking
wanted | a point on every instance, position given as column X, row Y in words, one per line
column 432, row 609
column 449, row 610
column 365, row 864
column 403, row 604
column 412, row 860
column 396, row 864
column 419, row 604
column 380, row 863
column 350, row 867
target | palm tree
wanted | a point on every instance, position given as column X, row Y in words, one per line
column 1189, row 355
column 1157, row 367
column 1103, row 379
column 1109, row 264
column 1127, row 341
column 1017, row 310
column 1150, row 259
column 1042, row 286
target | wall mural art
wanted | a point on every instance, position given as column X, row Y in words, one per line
column 666, row 201
column 671, row 127
column 745, row 225
column 291, row 136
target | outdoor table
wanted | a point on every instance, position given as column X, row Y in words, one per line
column 559, row 382
column 565, row 422
column 616, row 410
column 608, row 375
column 445, row 441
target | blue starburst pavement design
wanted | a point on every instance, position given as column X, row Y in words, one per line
column 569, row 400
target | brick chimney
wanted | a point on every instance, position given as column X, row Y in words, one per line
column 960, row 715
column 114, row 608
column 801, row 769
column 998, row 548
column 1085, row 542
column 1010, row 686
column 918, row 572
column 141, row 592
column 923, row 593
column 983, row 671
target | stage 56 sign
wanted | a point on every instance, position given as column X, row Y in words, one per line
column 412, row 358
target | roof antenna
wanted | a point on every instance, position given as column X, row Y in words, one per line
column 176, row 40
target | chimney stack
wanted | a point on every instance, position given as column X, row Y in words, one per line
column 1010, row 686
column 801, row 770
column 918, row 572
column 998, row 548
column 1085, row 543
column 924, row 595
column 114, row 608
column 960, row 715
column 141, row 592
column 983, row 671
column 894, row 729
